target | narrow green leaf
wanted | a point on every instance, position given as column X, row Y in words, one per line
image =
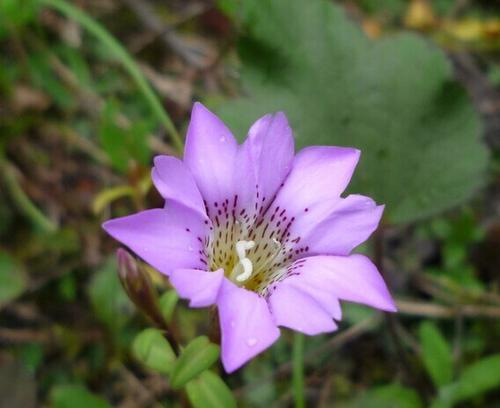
column 436, row 354
column 75, row 396
column 152, row 349
column 198, row 356
column 107, row 196
column 209, row 391
column 476, row 379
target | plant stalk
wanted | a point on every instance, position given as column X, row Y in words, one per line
column 298, row 370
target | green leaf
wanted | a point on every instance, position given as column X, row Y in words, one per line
column 168, row 301
column 152, row 349
column 111, row 304
column 123, row 144
column 209, row 391
column 436, row 354
column 476, row 379
column 12, row 278
column 197, row 357
column 394, row 99
column 75, row 396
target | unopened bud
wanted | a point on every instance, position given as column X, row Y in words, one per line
column 138, row 286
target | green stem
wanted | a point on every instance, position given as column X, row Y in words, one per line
column 298, row 370
column 24, row 204
column 124, row 57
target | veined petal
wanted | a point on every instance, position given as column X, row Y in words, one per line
column 318, row 174
column 167, row 238
column 353, row 278
column 174, row 181
column 247, row 326
column 337, row 228
column 264, row 160
column 200, row 287
column 210, row 155
column 297, row 310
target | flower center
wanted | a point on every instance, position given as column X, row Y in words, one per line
column 255, row 248
column 249, row 258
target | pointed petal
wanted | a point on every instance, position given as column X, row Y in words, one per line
column 299, row 311
column 264, row 161
column 210, row 155
column 353, row 278
column 174, row 181
column 167, row 238
column 247, row 326
column 337, row 228
column 200, row 287
column 319, row 174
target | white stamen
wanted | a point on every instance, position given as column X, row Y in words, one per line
column 241, row 248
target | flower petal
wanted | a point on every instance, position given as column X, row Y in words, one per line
column 319, row 174
column 297, row 310
column 167, row 238
column 247, row 326
column 353, row 278
column 200, row 287
column 337, row 228
column 312, row 285
column 210, row 155
column 264, row 160
column 174, row 181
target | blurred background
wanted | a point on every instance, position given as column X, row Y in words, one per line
column 414, row 84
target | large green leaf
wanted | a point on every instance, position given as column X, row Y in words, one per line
column 436, row 354
column 394, row 99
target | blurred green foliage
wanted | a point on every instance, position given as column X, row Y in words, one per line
column 394, row 99
column 75, row 396
column 123, row 145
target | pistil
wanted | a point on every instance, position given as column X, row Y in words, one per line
column 244, row 263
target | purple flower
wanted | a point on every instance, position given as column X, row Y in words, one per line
column 258, row 231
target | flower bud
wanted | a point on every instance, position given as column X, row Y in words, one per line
column 138, row 286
